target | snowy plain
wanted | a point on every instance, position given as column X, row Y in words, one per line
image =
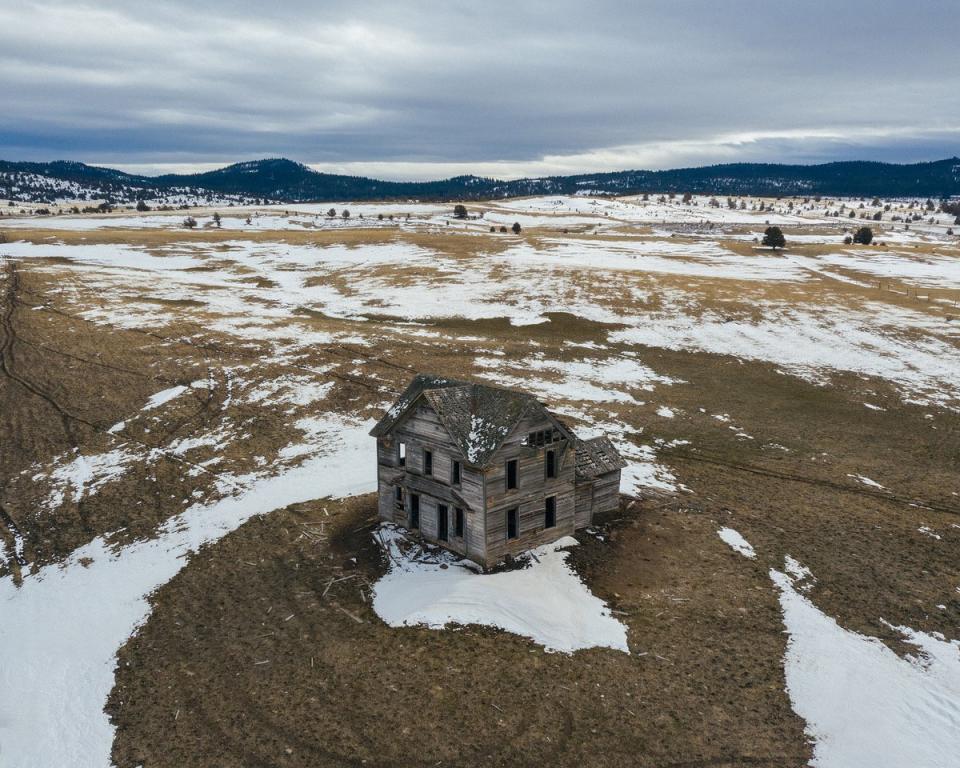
column 78, row 614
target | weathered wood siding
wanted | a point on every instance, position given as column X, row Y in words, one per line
column 421, row 429
column 606, row 492
column 533, row 487
column 584, row 503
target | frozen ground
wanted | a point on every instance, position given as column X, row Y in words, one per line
column 865, row 706
column 63, row 626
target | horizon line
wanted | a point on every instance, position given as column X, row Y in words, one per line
column 339, row 170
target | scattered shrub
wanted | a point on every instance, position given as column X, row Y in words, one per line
column 863, row 236
column 773, row 238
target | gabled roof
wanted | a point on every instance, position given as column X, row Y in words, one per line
column 420, row 383
column 597, row 456
column 478, row 417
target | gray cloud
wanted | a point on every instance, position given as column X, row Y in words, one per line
column 499, row 87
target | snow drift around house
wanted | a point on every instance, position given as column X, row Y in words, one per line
column 545, row 601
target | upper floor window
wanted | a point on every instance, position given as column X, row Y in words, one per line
column 455, row 472
column 511, row 474
column 427, row 462
column 541, row 437
column 550, row 463
column 401, row 453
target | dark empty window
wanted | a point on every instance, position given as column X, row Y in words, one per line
column 511, row 474
column 443, row 523
column 398, row 497
column 458, row 522
column 551, row 463
column 455, row 472
column 542, row 437
column 550, row 512
column 427, row 462
column 414, row 511
column 513, row 526
column 402, row 453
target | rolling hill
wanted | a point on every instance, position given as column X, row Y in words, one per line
column 281, row 180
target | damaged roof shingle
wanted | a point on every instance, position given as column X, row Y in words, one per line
column 478, row 417
column 597, row 456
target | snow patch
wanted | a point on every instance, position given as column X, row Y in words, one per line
column 546, row 601
column 865, row 706
column 736, row 542
column 165, row 396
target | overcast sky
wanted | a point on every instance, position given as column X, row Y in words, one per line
column 496, row 88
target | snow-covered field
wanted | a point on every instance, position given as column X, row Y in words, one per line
column 813, row 312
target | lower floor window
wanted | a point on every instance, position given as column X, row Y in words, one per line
column 442, row 522
column 398, row 498
column 414, row 511
column 550, row 512
column 458, row 522
column 513, row 523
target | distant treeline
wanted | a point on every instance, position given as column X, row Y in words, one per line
column 286, row 181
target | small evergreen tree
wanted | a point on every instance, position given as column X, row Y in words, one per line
column 216, row 219
column 773, row 238
column 863, row 236
column 142, row 206
column 460, row 211
column 332, row 213
column 345, row 214
column 516, row 227
column 190, row 222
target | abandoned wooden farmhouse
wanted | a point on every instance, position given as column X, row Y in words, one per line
column 486, row 471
